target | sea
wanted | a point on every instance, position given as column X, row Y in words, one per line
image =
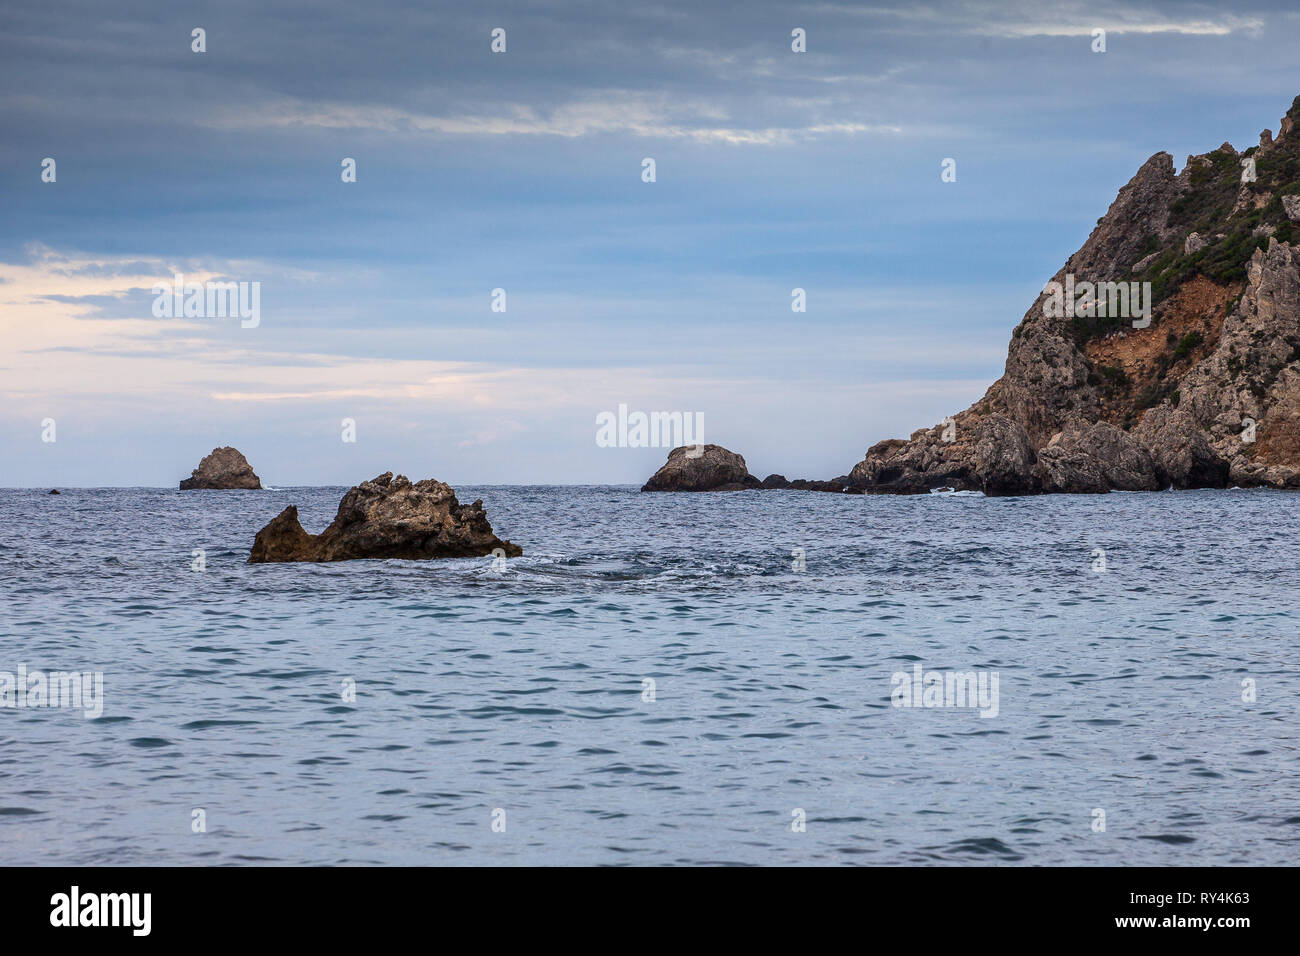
column 749, row 678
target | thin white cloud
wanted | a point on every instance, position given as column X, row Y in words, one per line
column 635, row 115
column 1011, row 19
column 1085, row 27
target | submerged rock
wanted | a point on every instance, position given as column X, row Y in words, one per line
column 702, row 468
column 226, row 469
column 386, row 517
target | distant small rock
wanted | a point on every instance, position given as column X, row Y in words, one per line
column 55, row 491
column 386, row 517
column 775, row 481
column 226, row 469
column 702, row 468
column 839, row 484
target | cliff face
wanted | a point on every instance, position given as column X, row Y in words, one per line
column 1197, row 385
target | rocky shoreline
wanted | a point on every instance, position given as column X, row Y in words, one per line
column 1201, row 390
column 1193, row 383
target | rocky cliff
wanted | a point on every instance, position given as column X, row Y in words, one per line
column 1194, row 383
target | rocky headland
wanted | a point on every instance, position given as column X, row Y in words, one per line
column 1203, row 392
column 386, row 517
column 1175, row 362
column 226, row 469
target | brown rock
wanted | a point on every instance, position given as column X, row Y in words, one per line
column 223, row 470
column 386, row 517
column 713, row 468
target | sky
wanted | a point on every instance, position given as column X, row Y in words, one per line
column 522, row 171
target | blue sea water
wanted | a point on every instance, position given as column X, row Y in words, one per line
column 522, row 691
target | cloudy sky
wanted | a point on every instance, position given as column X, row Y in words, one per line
column 523, row 171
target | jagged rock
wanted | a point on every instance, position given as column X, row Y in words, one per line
column 775, row 481
column 284, row 539
column 1193, row 243
column 1251, row 375
column 1092, row 459
column 712, row 469
column 912, row 467
column 223, row 470
column 386, row 517
column 1143, row 202
column 1291, row 205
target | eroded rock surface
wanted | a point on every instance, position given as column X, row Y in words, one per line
column 1095, row 458
column 386, row 517
column 706, row 468
column 226, row 469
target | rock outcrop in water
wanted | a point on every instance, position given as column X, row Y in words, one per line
column 226, row 469
column 717, row 469
column 1205, row 393
column 386, row 517
column 706, row 468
